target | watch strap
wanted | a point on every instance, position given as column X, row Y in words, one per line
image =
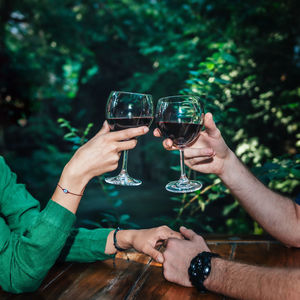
column 200, row 268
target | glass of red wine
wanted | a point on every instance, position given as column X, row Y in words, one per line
column 127, row 110
column 180, row 118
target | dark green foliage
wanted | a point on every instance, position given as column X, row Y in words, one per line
column 60, row 59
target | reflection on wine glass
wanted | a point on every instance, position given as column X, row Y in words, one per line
column 127, row 110
column 180, row 118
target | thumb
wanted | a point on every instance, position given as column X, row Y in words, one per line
column 210, row 125
column 104, row 129
column 187, row 233
column 155, row 254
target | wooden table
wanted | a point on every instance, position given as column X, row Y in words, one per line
column 135, row 276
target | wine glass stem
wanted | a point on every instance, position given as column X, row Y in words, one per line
column 124, row 164
column 183, row 178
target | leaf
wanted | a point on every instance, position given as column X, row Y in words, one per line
column 124, row 218
column 229, row 58
column 227, row 209
column 68, row 135
column 178, row 199
column 113, row 193
column 109, row 217
column 201, row 204
column 154, row 49
column 175, row 168
column 118, row 203
column 296, row 173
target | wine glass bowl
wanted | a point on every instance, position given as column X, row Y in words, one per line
column 180, row 118
column 127, row 110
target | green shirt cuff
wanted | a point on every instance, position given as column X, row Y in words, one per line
column 98, row 242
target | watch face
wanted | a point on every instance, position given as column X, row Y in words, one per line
column 200, row 268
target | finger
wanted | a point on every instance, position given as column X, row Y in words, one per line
column 130, row 133
column 198, row 160
column 198, row 152
column 168, row 145
column 187, row 233
column 104, row 129
column 126, row 145
column 210, row 125
column 167, row 234
column 155, row 254
column 157, row 133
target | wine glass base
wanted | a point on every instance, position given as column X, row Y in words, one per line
column 123, row 179
column 179, row 187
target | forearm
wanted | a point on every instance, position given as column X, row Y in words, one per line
column 75, row 182
column 277, row 214
column 243, row 281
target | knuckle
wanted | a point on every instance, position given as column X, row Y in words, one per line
column 192, row 161
column 134, row 142
column 115, row 157
column 114, row 147
column 199, row 238
column 218, row 133
column 162, row 228
column 112, row 167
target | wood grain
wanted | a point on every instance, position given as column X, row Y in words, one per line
column 134, row 275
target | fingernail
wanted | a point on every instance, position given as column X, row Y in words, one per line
column 146, row 129
column 160, row 259
column 182, row 227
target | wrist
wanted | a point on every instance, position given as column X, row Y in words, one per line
column 125, row 238
column 211, row 282
column 200, row 269
column 73, row 180
column 229, row 161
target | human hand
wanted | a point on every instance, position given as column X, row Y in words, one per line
column 101, row 154
column 208, row 152
column 145, row 240
column 178, row 256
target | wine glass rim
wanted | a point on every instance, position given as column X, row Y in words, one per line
column 180, row 96
column 131, row 93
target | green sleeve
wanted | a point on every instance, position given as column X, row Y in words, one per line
column 31, row 241
column 26, row 258
column 85, row 245
column 16, row 203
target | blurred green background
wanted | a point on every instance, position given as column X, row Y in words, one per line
column 59, row 59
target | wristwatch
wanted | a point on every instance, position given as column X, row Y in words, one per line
column 200, row 268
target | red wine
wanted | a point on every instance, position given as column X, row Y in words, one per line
column 125, row 123
column 180, row 133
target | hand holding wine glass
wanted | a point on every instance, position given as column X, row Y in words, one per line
column 127, row 110
column 180, row 119
column 99, row 155
column 207, row 154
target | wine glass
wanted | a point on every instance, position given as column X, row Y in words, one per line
column 180, row 118
column 127, row 110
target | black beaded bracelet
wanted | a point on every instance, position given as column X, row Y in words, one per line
column 115, row 240
column 200, row 268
